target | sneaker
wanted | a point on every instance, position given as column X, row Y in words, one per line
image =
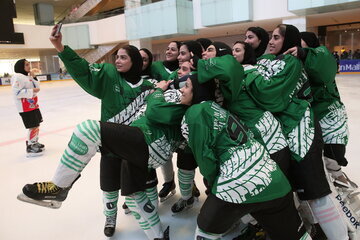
column 182, row 205
column 126, row 209
column 167, row 190
column 110, row 224
column 33, row 151
column 45, row 191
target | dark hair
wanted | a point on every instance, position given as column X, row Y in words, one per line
column 263, row 36
column 222, row 49
column 204, row 42
column 19, row 67
column 194, row 47
column 202, row 92
column 147, row 70
column 310, row 39
column 249, row 54
column 292, row 37
column 178, row 44
column 134, row 74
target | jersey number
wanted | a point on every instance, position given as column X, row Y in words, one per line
column 236, row 130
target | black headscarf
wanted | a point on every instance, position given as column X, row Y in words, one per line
column 292, row 37
column 19, row 67
column 310, row 39
column 134, row 74
column 205, row 42
column 194, row 47
column 147, row 70
column 173, row 65
column 249, row 55
column 202, row 92
column 263, row 36
column 222, row 49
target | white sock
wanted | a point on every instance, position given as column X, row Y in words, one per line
column 329, row 218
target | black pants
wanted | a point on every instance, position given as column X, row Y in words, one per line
column 307, row 177
column 336, row 152
column 278, row 217
column 129, row 168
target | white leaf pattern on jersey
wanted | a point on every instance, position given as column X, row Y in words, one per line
column 334, row 125
column 129, row 114
column 302, row 136
column 185, row 129
column 245, row 174
column 271, row 133
column 160, row 151
column 268, row 68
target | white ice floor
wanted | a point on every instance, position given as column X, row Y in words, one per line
column 63, row 105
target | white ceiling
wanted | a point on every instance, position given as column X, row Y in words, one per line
column 62, row 7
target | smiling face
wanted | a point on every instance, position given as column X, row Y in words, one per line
column 145, row 59
column 238, row 52
column 172, row 52
column 184, row 54
column 276, row 42
column 185, row 68
column 123, row 61
column 187, row 93
column 252, row 39
column 209, row 53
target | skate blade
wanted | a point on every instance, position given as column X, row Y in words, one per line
column 172, row 193
column 49, row 204
column 28, row 155
column 184, row 210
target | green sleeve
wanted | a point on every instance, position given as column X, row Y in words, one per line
column 321, row 68
column 173, row 75
column 273, row 85
column 201, row 142
column 227, row 70
column 158, row 71
column 159, row 111
column 93, row 78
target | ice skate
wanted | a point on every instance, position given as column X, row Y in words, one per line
column 181, row 205
column 126, row 209
column 166, row 234
column 40, row 145
column 45, row 194
column 251, row 232
column 110, row 225
column 167, row 191
column 33, row 150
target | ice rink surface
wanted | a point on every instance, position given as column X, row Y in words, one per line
column 63, row 105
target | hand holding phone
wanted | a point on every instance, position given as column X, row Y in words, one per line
column 59, row 25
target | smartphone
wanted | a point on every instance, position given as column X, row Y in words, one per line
column 58, row 29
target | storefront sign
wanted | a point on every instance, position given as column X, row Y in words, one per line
column 350, row 65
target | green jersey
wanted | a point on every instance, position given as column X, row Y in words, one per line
column 159, row 71
column 119, row 99
column 231, row 75
column 237, row 167
column 161, row 128
column 281, row 86
column 321, row 68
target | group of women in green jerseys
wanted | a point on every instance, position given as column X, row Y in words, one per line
column 254, row 124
